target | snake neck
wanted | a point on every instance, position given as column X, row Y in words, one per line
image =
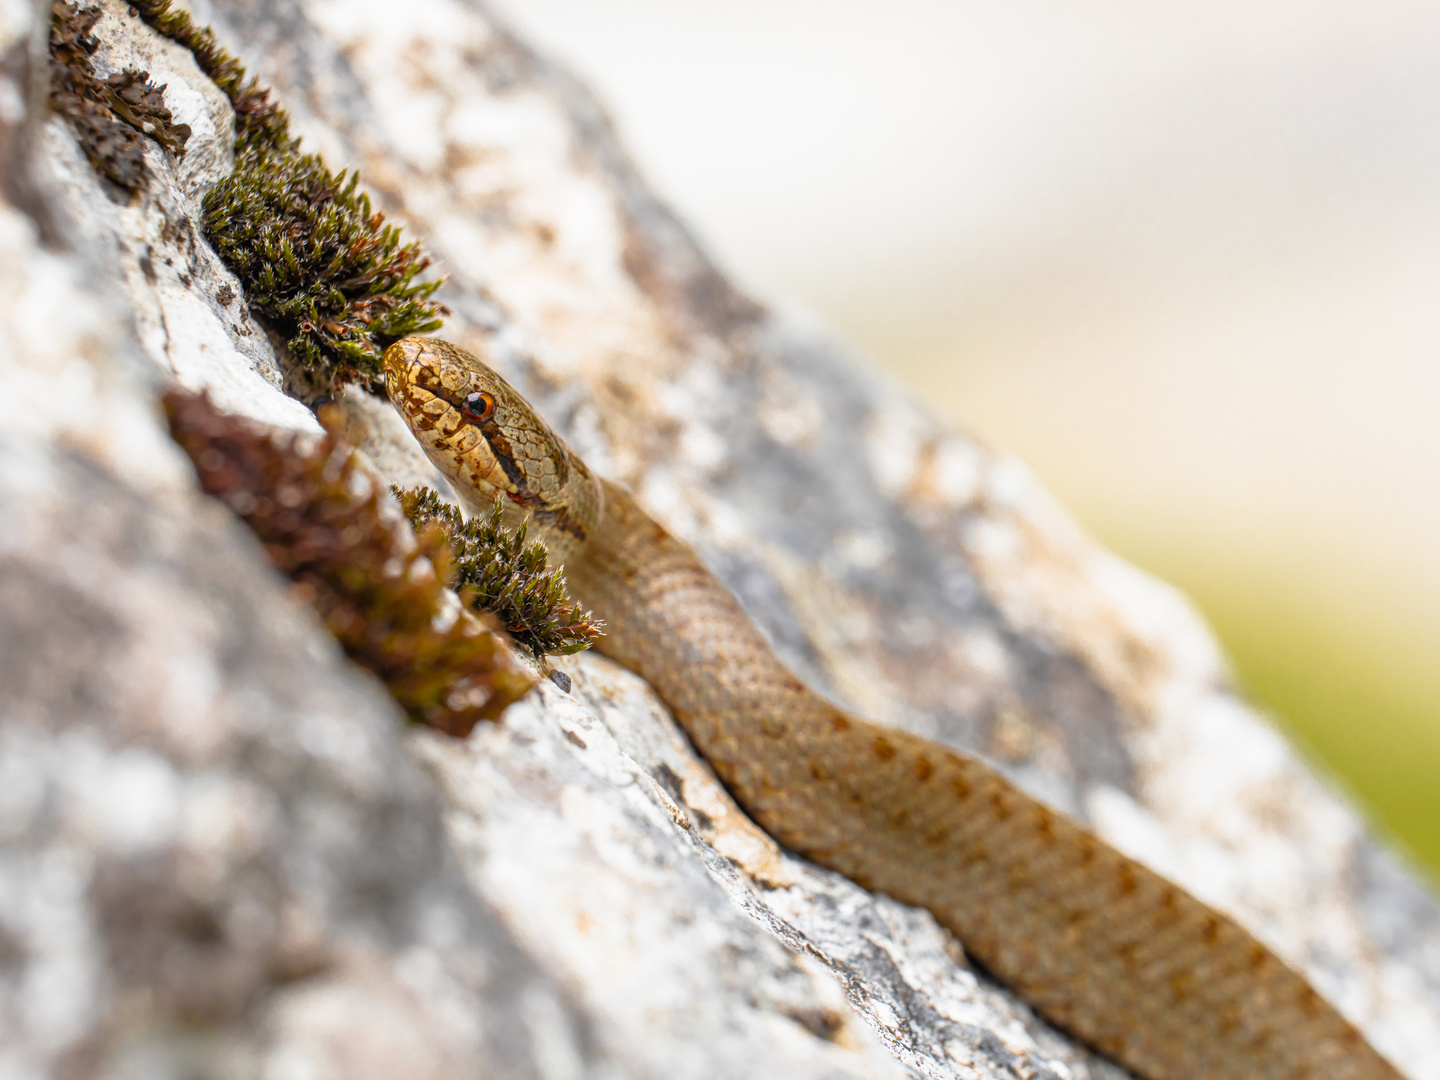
column 565, row 513
column 670, row 621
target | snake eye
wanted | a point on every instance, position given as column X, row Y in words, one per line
column 477, row 407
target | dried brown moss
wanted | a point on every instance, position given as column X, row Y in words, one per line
column 320, row 520
column 501, row 574
column 111, row 117
column 259, row 121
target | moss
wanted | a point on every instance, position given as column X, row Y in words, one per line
column 502, row 574
column 318, row 263
column 110, row 117
column 322, row 525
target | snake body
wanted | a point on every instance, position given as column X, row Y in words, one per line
column 1096, row 943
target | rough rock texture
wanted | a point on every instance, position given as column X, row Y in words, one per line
column 221, row 855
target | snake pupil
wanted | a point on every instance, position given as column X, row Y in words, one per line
column 477, row 407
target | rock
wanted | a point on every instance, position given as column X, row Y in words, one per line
column 222, row 854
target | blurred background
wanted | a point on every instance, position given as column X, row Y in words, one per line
column 1183, row 259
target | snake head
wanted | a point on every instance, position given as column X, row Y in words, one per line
column 486, row 438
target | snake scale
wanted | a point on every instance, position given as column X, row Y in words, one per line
column 1096, row 943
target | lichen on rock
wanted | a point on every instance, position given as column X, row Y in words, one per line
column 110, row 116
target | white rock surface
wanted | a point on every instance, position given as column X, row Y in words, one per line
column 221, row 854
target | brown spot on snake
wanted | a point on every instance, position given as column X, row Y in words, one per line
column 1161, row 983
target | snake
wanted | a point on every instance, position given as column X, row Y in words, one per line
column 1096, row 943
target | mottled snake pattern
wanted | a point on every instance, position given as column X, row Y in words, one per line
column 1099, row 945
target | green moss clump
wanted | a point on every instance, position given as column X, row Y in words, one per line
column 318, row 262
column 323, row 526
column 501, row 574
column 112, row 116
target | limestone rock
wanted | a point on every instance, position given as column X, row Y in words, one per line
column 221, row 854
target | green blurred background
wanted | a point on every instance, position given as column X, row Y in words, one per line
column 1182, row 259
